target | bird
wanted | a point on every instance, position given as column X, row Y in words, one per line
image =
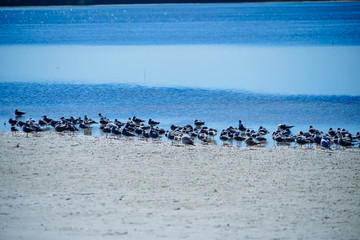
column 250, row 141
column 83, row 125
column 152, row 122
column 224, row 138
column 241, row 127
column 332, row 132
column 317, row 138
column 46, row 119
column 42, row 123
column 312, row 129
column 186, row 140
column 198, row 123
column 238, row 138
column 14, row 129
column 139, row 131
column 170, row 135
column 137, row 120
column 12, row 122
column 261, row 139
column 282, row 127
column 344, row 143
column 203, row 137
column 302, row 141
column 325, row 142
column 145, row 134
column 27, row 129
column 262, row 130
column 212, row 132
column 116, row 131
column 126, row 133
column 19, row 113
column 89, row 120
column 106, row 130
column 72, row 128
column 153, row 134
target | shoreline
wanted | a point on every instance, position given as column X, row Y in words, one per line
column 87, row 187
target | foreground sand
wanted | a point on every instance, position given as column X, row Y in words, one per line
column 61, row 187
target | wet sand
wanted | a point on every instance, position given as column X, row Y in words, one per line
column 56, row 186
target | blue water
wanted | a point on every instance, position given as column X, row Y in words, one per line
column 293, row 63
column 251, row 24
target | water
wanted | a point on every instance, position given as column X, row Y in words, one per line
column 293, row 63
column 250, row 24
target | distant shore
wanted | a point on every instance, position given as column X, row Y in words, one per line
column 58, row 186
column 14, row 3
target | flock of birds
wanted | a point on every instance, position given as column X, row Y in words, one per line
column 188, row 134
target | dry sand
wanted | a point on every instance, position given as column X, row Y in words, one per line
column 56, row 186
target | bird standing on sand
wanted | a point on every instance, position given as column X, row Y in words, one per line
column 250, row 141
column 27, row 129
column 325, row 142
column 186, row 140
column 14, row 129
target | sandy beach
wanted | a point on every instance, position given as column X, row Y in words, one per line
column 57, row 186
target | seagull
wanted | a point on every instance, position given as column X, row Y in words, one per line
column 103, row 120
column 199, row 123
column 318, row 139
column 89, row 120
column 153, row 134
column 139, row 131
column 263, row 131
column 250, row 141
column 332, row 132
column 106, row 130
column 170, row 135
column 42, row 123
column 116, row 131
column 27, row 129
column 186, row 140
column 224, row 138
column 126, row 133
column 261, row 138
column 238, row 138
column 137, row 120
column 325, row 142
column 242, row 127
column 203, row 137
column 82, row 125
column 289, row 139
column 12, row 122
column 282, row 127
column 14, row 129
column 358, row 135
column 312, row 129
column 152, row 122
column 345, row 143
column 19, row 113
column 212, row 132
column 46, row 119
column 145, row 134
column 302, row 140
